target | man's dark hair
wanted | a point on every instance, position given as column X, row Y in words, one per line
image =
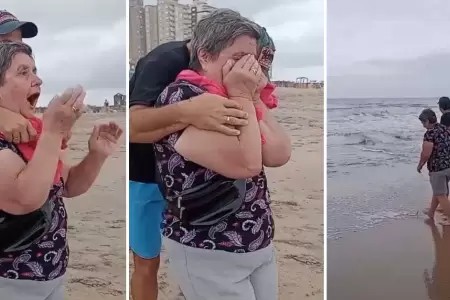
column 444, row 103
column 428, row 115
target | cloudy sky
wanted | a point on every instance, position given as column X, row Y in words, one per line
column 388, row 48
column 79, row 42
column 297, row 27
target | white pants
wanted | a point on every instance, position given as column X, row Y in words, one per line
column 211, row 274
column 21, row 289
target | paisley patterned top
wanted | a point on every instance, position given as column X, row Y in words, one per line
column 251, row 228
column 47, row 258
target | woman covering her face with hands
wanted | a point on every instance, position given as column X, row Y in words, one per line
column 219, row 227
column 33, row 180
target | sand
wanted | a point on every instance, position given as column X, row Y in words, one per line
column 97, row 221
column 297, row 201
column 403, row 259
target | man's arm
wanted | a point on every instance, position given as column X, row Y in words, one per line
column 14, row 125
column 148, row 124
column 276, row 151
column 207, row 111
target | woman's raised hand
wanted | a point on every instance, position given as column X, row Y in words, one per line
column 64, row 110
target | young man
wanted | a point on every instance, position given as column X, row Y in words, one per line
column 147, row 124
column 444, row 107
column 12, row 125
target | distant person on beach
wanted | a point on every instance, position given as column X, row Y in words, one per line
column 436, row 154
column 34, row 251
column 208, row 112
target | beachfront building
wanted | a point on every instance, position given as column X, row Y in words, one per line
column 137, row 41
column 202, row 9
column 119, row 100
column 168, row 20
column 151, row 27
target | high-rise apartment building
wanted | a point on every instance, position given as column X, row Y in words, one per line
column 202, row 9
column 137, row 41
column 151, row 27
column 134, row 3
column 184, row 24
column 169, row 20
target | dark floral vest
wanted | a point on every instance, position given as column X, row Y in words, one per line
column 48, row 257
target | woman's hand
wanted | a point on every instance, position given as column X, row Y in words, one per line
column 241, row 78
column 63, row 111
column 104, row 139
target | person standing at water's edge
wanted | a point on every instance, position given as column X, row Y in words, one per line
column 436, row 154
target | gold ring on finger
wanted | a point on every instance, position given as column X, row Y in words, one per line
column 228, row 119
column 75, row 109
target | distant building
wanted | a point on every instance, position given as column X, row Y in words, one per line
column 151, row 27
column 132, row 69
column 119, row 100
column 137, row 36
column 203, row 9
column 168, row 20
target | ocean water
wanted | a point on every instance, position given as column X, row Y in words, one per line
column 373, row 149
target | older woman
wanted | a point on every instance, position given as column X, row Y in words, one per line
column 218, row 234
column 33, row 181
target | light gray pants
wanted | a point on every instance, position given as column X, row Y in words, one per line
column 14, row 289
column 211, row 274
column 439, row 182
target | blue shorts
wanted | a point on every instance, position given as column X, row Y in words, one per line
column 146, row 215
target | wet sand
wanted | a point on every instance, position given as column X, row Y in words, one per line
column 297, row 202
column 97, row 221
column 393, row 261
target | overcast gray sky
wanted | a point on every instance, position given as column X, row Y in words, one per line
column 388, row 48
column 297, row 27
column 79, row 42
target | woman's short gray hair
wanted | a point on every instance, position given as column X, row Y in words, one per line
column 218, row 31
column 8, row 50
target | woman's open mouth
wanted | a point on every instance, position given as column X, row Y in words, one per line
column 33, row 98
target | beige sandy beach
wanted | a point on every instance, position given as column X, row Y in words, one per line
column 97, row 221
column 297, row 201
column 402, row 259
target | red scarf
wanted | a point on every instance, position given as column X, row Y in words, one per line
column 267, row 96
column 27, row 149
